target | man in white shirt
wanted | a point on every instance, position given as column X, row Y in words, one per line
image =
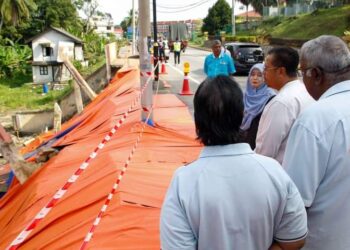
column 230, row 198
column 281, row 73
column 318, row 150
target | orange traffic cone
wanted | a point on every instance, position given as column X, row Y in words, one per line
column 186, row 87
column 163, row 71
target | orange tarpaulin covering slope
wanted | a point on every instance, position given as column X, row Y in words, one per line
column 132, row 218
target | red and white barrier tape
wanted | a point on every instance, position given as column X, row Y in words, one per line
column 112, row 192
column 60, row 193
column 98, row 219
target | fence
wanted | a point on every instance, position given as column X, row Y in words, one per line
column 299, row 8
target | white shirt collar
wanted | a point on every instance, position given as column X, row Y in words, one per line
column 337, row 88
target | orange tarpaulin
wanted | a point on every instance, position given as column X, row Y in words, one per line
column 132, row 218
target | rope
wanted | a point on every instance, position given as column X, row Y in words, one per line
column 61, row 192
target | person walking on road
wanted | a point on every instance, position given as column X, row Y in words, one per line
column 177, row 51
column 318, row 150
column 218, row 63
column 281, row 73
column 256, row 96
column 161, row 46
column 212, row 202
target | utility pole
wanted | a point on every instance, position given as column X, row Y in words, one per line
column 233, row 19
column 155, row 44
column 133, row 29
column 145, row 60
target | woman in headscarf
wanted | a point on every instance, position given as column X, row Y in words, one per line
column 256, row 96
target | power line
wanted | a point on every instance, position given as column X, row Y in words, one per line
column 186, row 8
column 182, row 6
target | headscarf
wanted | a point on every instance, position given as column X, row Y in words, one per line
column 255, row 99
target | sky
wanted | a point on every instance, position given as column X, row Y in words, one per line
column 167, row 10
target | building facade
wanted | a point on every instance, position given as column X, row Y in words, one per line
column 47, row 47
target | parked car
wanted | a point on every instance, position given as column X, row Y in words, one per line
column 245, row 55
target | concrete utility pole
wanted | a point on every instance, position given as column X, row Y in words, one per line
column 155, row 44
column 133, row 29
column 233, row 19
column 145, row 59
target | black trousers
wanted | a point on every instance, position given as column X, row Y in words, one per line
column 177, row 55
column 162, row 54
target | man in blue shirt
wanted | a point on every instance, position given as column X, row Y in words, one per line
column 218, row 63
column 317, row 156
column 230, row 198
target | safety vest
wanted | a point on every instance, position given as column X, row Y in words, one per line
column 177, row 46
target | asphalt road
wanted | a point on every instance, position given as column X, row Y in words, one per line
column 175, row 75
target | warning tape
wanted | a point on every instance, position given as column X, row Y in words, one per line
column 60, row 193
column 112, row 192
column 98, row 219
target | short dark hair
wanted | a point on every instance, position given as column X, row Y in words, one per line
column 285, row 57
column 218, row 111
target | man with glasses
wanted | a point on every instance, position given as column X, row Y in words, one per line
column 318, row 150
column 281, row 73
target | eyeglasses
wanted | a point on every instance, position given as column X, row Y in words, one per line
column 305, row 72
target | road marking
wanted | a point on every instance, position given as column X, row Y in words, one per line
column 181, row 73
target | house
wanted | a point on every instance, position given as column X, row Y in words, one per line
column 118, row 32
column 103, row 25
column 47, row 65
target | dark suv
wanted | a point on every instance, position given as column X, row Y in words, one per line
column 245, row 55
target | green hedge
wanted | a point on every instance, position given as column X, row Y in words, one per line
column 252, row 39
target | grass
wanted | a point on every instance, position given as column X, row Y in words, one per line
column 20, row 94
column 332, row 21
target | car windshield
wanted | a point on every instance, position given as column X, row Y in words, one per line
column 250, row 50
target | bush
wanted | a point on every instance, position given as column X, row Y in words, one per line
column 14, row 60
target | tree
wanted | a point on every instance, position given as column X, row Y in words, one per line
column 11, row 11
column 61, row 14
column 218, row 16
column 127, row 21
column 89, row 8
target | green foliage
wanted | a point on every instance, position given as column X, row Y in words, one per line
column 199, row 41
column 326, row 21
column 94, row 46
column 218, row 16
column 127, row 21
column 60, row 13
column 11, row 12
column 77, row 65
column 14, row 59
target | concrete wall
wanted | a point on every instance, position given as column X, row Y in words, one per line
column 30, row 122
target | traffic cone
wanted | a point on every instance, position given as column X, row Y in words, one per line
column 163, row 71
column 186, row 87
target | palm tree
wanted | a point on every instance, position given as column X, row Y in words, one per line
column 11, row 11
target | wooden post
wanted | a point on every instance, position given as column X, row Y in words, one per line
column 108, row 62
column 57, row 117
column 80, row 80
column 78, row 98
